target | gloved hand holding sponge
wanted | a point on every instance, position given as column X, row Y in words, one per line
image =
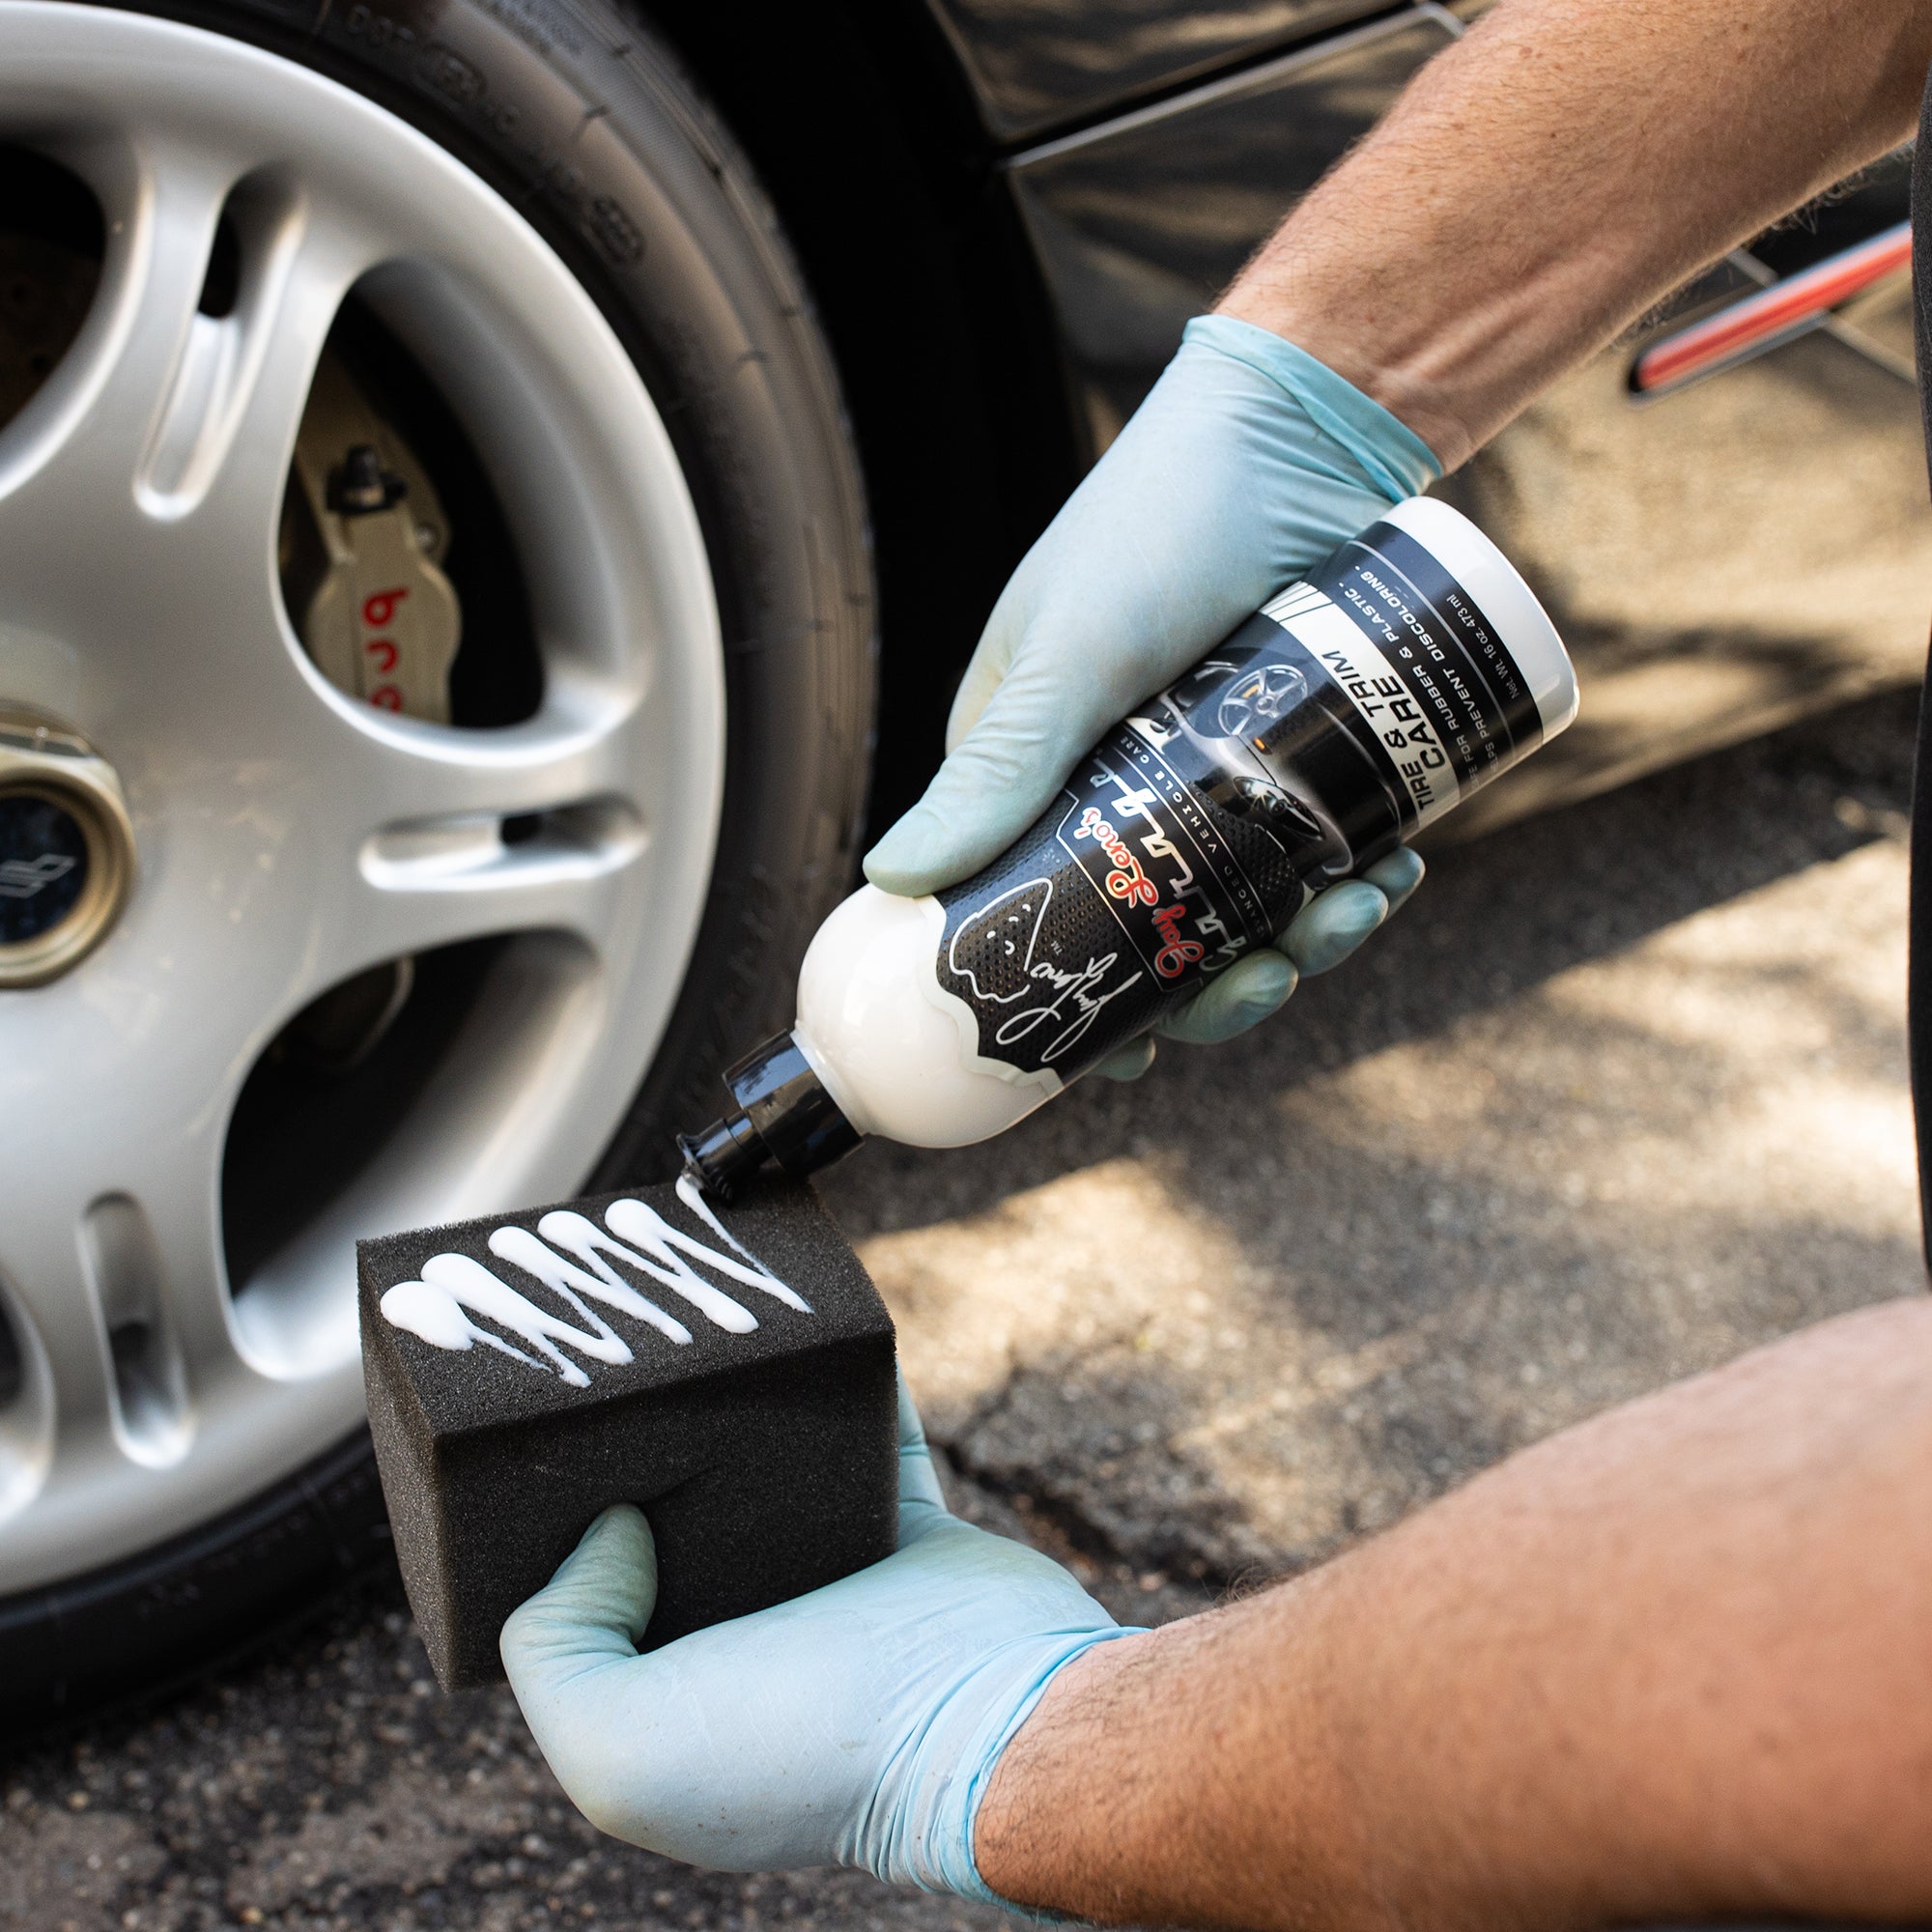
column 857, row 1726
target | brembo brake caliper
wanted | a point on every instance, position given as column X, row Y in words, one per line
column 363, row 536
column 374, row 611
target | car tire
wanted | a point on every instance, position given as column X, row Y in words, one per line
column 581, row 118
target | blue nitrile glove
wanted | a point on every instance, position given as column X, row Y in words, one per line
column 858, row 1725
column 1247, row 463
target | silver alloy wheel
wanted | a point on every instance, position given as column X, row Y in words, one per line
column 287, row 837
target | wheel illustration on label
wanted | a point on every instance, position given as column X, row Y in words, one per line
column 1259, row 698
column 998, row 941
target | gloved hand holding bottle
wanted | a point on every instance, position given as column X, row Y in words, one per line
column 1249, row 462
column 1242, row 667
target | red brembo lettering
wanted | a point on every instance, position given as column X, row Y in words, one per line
column 379, row 610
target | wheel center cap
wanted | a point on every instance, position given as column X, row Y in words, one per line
column 67, row 850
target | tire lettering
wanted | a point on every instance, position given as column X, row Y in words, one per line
column 614, row 232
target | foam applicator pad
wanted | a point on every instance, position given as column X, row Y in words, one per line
column 727, row 1369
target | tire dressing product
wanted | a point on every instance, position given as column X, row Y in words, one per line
column 1355, row 709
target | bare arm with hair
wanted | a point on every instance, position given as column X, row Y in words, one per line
column 1675, row 1664
column 1561, row 168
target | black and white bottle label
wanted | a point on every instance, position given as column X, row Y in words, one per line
column 1427, row 671
column 1125, row 889
column 1356, row 708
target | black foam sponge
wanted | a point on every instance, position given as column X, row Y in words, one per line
column 730, row 1370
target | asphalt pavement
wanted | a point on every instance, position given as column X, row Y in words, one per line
column 1623, row 1093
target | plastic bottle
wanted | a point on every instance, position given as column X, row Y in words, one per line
column 1358, row 707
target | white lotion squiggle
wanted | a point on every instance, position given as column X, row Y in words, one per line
column 453, row 1288
column 583, row 1237
column 692, row 1197
column 521, row 1249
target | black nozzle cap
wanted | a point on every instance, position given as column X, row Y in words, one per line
column 727, row 1153
column 784, row 1115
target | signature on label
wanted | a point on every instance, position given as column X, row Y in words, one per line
column 999, row 942
column 1076, row 1005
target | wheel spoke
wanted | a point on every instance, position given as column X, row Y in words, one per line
column 397, row 836
column 134, row 1383
column 90, row 429
column 223, row 438
column 119, row 1270
column 577, row 747
column 452, row 879
column 163, row 440
column 43, row 1262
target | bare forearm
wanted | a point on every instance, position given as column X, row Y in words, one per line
column 1672, row 1663
column 1559, row 171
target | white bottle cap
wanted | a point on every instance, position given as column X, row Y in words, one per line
column 1503, row 597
